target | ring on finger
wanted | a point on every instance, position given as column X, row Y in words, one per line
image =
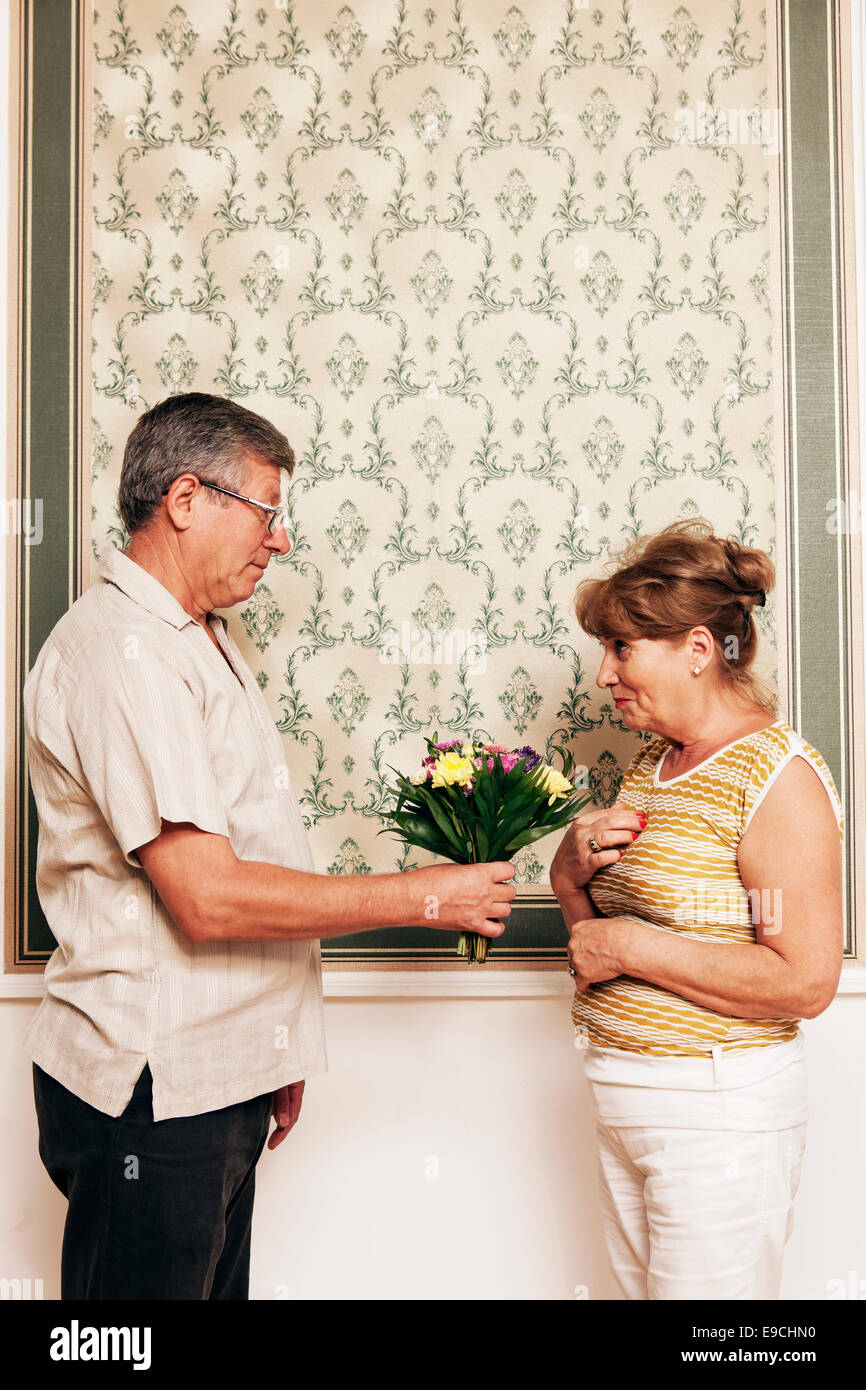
column 594, row 845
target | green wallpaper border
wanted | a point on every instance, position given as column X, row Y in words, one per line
column 820, row 619
column 48, row 458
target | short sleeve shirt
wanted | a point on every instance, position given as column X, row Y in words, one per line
column 133, row 717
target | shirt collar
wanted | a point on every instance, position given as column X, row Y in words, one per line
column 138, row 584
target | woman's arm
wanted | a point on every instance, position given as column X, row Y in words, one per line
column 576, row 905
column 574, row 864
column 791, row 856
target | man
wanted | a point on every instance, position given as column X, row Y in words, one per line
column 183, row 1003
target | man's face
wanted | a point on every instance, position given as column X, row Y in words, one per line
column 235, row 544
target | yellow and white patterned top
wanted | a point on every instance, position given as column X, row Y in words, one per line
column 681, row 875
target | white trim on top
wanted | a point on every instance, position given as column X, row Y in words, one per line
column 669, row 781
column 796, row 752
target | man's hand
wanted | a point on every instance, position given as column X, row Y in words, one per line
column 597, row 949
column 285, row 1110
column 468, row 897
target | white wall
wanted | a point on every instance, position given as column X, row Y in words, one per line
column 449, row 1152
column 493, row 1092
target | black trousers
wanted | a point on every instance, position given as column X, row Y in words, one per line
column 156, row 1210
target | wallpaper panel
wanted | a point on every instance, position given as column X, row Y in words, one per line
column 501, row 275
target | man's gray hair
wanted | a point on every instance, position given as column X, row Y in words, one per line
column 210, row 436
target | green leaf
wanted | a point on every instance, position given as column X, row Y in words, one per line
column 526, row 837
column 446, row 825
column 424, row 835
column 486, row 801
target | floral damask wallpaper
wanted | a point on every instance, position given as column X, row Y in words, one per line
column 501, row 274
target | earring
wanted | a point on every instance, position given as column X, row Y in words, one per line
column 696, row 670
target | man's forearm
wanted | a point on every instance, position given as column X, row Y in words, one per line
column 266, row 902
column 745, row 981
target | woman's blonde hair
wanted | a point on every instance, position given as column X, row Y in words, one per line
column 682, row 577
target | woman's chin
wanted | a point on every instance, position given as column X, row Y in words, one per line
column 631, row 716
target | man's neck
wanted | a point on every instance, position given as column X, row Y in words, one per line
column 156, row 558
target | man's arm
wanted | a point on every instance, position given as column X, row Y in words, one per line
column 213, row 895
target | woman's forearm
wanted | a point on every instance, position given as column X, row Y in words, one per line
column 743, row 980
column 576, row 905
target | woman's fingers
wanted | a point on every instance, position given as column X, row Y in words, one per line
column 623, row 825
column 610, row 856
column 606, row 839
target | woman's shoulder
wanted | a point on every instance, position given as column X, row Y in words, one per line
column 770, row 746
column 755, row 762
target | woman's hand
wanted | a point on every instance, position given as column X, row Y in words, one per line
column 598, row 948
column 575, row 861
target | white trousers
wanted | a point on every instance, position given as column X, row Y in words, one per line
column 699, row 1164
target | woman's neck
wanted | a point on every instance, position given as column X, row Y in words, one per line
column 691, row 746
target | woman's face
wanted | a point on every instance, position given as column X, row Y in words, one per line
column 648, row 680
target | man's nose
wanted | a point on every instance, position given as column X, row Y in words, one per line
column 278, row 540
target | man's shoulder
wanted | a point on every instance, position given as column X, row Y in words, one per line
column 102, row 624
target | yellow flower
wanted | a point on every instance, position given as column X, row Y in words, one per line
column 452, row 767
column 555, row 783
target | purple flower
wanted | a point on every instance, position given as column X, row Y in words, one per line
column 530, row 753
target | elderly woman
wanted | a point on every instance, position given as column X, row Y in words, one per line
column 705, row 919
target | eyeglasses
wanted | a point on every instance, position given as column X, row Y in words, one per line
column 278, row 515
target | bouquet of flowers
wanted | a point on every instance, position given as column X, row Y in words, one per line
column 476, row 803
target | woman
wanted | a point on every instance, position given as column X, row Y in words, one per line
column 699, row 942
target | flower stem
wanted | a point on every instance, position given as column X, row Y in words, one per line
column 473, row 946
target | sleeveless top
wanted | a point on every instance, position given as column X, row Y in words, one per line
column 681, row 875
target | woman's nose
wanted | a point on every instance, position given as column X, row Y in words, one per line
column 604, row 677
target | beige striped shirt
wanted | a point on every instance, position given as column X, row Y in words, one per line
column 681, row 875
column 132, row 717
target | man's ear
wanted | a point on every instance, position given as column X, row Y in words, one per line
column 182, row 499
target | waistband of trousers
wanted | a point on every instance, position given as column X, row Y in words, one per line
column 722, row 1069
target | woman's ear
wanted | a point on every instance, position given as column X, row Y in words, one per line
column 700, row 645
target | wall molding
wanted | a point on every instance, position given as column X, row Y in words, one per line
column 478, row 983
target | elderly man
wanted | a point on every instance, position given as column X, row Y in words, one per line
column 183, row 1003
